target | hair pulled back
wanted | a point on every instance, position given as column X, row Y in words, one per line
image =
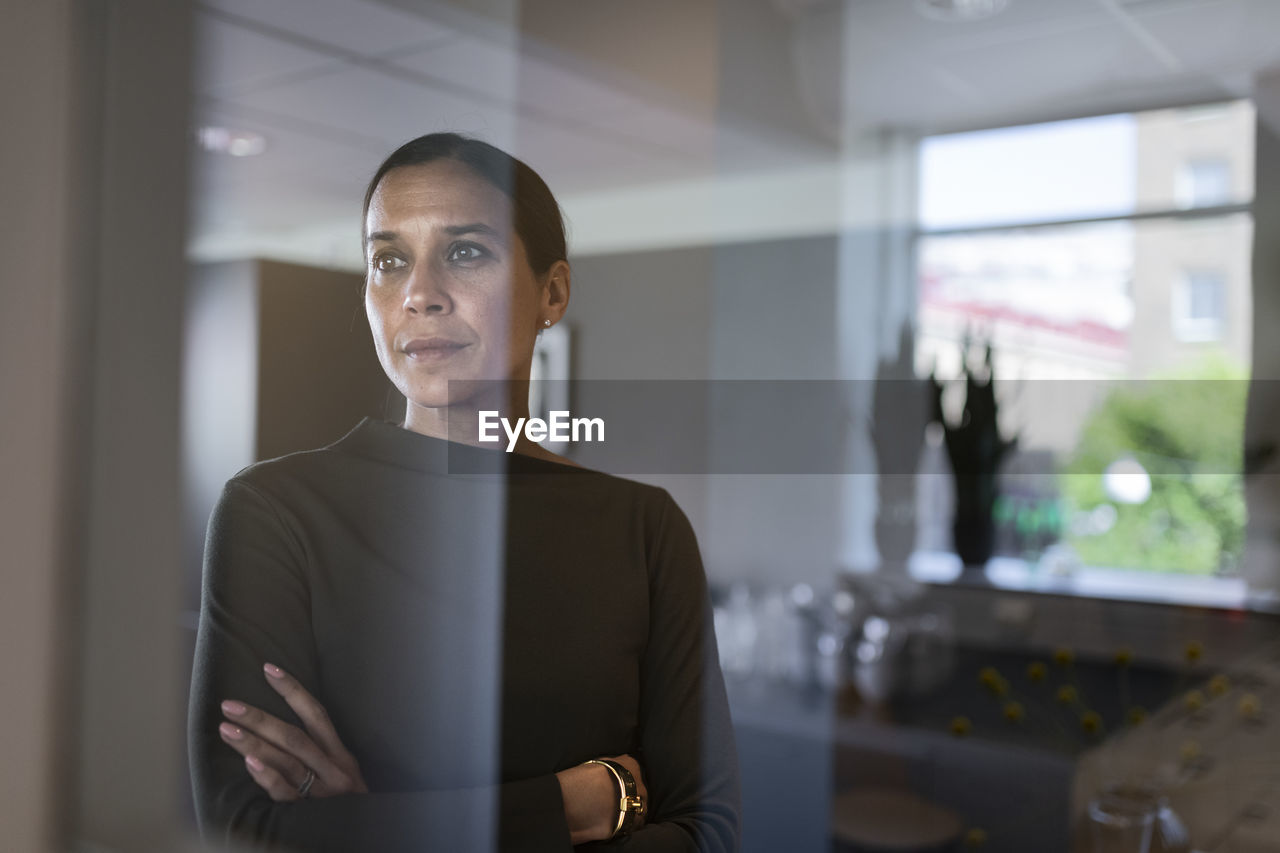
column 536, row 215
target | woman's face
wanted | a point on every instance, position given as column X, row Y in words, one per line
column 450, row 294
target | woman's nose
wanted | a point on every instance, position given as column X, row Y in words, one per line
column 427, row 292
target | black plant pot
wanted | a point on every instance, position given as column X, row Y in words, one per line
column 974, row 535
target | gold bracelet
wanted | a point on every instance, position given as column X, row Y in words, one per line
column 622, row 794
column 631, row 807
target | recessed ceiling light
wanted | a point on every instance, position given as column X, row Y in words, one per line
column 961, row 10
column 226, row 140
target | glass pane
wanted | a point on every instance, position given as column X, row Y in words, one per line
column 1057, row 303
column 1033, row 173
column 1204, row 183
column 1152, row 321
column 1106, row 166
column 1195, row 157
column 1088, row 301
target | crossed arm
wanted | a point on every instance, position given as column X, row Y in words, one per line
column 292, row 763
column 247, row 786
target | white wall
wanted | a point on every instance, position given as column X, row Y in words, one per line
column 220, row 396
column 130, row 701
column 94, row 172
column 39, row 232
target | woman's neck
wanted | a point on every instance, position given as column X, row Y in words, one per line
column 462, row 423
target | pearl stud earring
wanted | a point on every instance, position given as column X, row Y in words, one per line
column 546, row 323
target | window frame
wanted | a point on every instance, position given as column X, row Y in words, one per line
column 1095, row 582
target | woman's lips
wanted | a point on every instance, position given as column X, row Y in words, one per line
column 432, row 349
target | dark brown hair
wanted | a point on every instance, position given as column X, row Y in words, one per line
column 536, row 215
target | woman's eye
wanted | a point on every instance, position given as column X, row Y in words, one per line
column 387, row 263
column 467, row 252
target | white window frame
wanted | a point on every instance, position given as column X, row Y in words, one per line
column 1089, row 581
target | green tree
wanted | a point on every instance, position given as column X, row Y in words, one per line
column 1188, row 435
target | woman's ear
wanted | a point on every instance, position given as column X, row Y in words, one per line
column 555, row 291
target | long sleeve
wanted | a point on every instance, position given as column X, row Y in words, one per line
column 687, row 745
column 256, row 607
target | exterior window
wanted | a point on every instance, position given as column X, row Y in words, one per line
column 1204, row 182
column 1105, row 251
column 1198, row 310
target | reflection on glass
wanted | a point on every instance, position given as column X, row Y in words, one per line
column 1115, row 165
column 998, row 176
column 1122, row 818
column 1160, row 298
column 1104, row 304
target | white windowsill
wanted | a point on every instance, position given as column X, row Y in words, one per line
column 1014, row 575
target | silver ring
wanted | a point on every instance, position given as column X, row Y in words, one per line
column 305, row 787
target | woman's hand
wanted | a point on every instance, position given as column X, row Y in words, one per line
column 590, row 794
column 281, row 757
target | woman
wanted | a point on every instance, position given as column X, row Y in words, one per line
column 397, row 655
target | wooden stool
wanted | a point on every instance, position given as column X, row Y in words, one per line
column 888, row 820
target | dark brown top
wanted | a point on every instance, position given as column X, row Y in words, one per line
column 473, row 622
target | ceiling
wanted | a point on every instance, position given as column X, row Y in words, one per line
column 614, row 97
column 1040, row 59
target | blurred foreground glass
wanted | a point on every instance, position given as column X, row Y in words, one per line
column 1122, row 819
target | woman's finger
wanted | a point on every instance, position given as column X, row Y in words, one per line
column 282, row 775
column 313, row 715
column 270, row 780
column 317, row 722
column 282, row 737
column 279, row 774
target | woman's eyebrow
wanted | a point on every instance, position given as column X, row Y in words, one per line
column 473, row 228
column 452, row 230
